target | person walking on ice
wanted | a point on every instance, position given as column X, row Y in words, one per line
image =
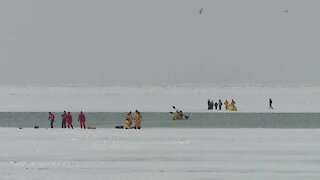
column 270, row 104
column 82, row 120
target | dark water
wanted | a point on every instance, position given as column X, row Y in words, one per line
column 163, row 120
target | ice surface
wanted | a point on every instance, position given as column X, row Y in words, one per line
column 191, row 98
column 36, row 154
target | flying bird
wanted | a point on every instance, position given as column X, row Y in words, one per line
column 200, row 12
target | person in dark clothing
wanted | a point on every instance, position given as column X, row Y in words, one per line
column 216, row 106
column 64, row 120
column 270, row 104
column 209, row 107
column 220, row 104
column 51, row 119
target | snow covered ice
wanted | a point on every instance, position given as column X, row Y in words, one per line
column 153, row 153
column 190, row 98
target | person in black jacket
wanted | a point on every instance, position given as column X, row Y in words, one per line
column 270, row 104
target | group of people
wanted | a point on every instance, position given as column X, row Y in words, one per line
column 136, row 118
column 216, row 104
column 230, row 106
column 66, row 120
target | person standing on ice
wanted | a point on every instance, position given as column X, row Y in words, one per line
column 137, row 120
column 216, row 106
column 270, row 104
column 64, row 119
column 69, row 120
column 51, row 119
column 220, row 104
column 82, row 120
column 226, row 104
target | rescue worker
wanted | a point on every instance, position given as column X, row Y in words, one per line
column 69, row 120
column 137, row 120
column 233, row 102
column 51, row 119
column 64, row 119
column 232, row 106
column 82, row 120
column 128, row 121
column 226, row 104
column 176, row 115
column 181, row 114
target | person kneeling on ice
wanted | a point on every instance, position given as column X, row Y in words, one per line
column 82, row 120
column 69, row 120
column 137, row 120
column 51, row 119
column 128, row 121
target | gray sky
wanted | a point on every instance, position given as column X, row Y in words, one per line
column 159, row 41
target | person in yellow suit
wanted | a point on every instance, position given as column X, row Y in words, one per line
column 128, row 121
column 137, row 120
column 226, row 104
column 232, row 106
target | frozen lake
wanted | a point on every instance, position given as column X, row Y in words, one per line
column 161, row 98
column 158, row 153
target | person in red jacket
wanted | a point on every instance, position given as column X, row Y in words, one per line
column 82, row 120
column 51, row 119
column 69, row 120
column 64, row 119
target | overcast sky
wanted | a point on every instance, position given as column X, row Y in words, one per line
column 159, row 41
